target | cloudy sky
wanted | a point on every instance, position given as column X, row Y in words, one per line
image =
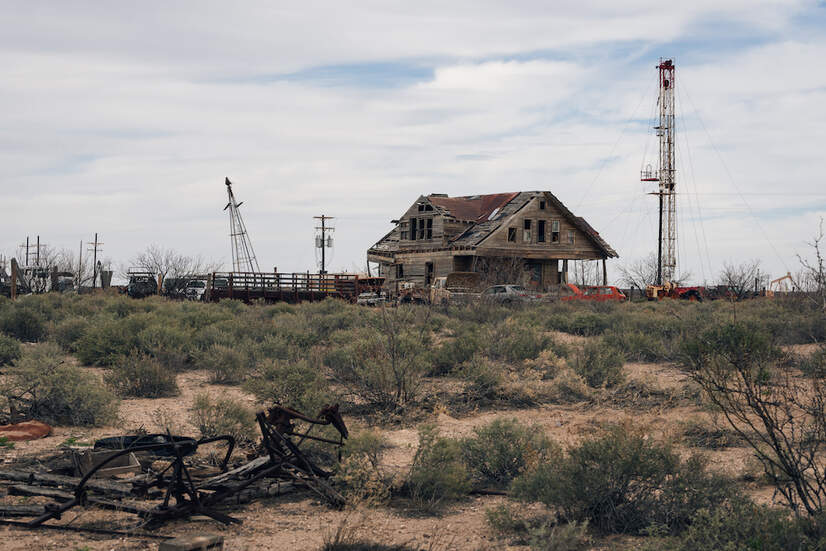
column 124, row 119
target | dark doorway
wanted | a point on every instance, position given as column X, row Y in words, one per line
column 428, row 273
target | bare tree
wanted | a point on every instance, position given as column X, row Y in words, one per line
column 500, row 270
column 778, row 413
column 641, row 273
column 740, row 279
column 172, row 265
column 586, row 272
column 813, row 277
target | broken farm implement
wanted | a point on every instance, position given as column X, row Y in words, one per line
column 178, row 489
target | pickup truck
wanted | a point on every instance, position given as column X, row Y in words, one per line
column 456, row 287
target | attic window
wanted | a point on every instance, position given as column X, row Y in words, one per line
column 555, row 231
column 542, row 205
column 429, row 228
column 512, row 234
column 526, row 233
column 428, row 207
column 412, row 229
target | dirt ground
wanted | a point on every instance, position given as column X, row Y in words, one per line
column 299, row 522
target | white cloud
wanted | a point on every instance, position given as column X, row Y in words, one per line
column 126, row 122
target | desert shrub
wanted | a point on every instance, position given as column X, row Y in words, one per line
column 624, row 483
column 69, row 331
column 537, row 531
column 142, row 376
column 438, row 475
column 222, row 415
column 466, row 342
column 599, row 364
column 513, row 342
column 569, row 388
column 383, row 364
column 296, row 329
column 106, row 339
column 504, row 449
column 23, row 322
column 742, row 524
column 295, row 384
column 168, row 343
column 484, row 378
column 571, row 536
column 699, row 434
column 58, row 392
column 479, row 313
column 9, row 349
column 276, row 347
column 226, row 365
column 578, row 322
column 360, row 476
column 221, row 332
column 814, row 365
column 636, row 345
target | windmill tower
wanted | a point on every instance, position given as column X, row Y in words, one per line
column 664, row 175
column 243, row 256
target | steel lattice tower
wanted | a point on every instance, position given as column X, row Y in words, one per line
column 666, row 168
column 243, row 256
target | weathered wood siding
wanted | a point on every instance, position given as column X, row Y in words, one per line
column 497, row 243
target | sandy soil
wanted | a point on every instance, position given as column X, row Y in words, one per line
column 300, row 522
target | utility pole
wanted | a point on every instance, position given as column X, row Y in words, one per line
column 322, row 241
column 94, row 250
column 80, row 266
column 664, row 175
column 27, row 250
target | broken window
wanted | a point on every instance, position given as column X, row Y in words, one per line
column 413, row 229
column 421, row 207
column 526, row 233
column 540, row 231
column 399, row 271
column 570, row 237
column 428, row 208
column 542, row 205
column 512, row 234
column 555, row 231
column 429, row 228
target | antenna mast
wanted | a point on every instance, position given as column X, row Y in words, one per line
column 243, row 256
column 666, row 167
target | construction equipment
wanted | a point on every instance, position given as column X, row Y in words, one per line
column 672, row 290
column 784, row 284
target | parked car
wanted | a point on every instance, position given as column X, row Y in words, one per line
column 508, row 294
column 195, row 289
column 599, row 293
column 456, row 287
column 370, row 298
column 142, row 284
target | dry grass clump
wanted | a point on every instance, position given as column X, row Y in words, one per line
column 142, row 376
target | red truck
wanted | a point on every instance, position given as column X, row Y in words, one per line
column 598, row 293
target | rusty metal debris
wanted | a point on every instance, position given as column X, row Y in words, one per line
column 175, row 486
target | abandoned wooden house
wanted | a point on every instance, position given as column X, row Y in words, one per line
column 524, row 237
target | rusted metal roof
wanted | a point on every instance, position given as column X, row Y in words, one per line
column 474, row 208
